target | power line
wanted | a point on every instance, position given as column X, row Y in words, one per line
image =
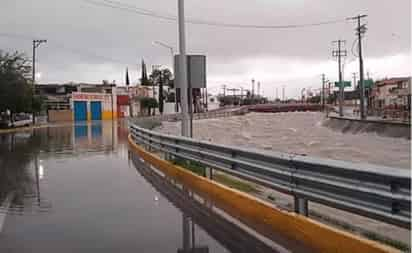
column 146, row 12
column 120, row 6
column 56, row 44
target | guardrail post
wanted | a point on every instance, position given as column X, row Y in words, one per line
column 301, row 206
column 150, row 142
column 209, row 173
column 176, row 148
column 395, row 187
column 233, row 165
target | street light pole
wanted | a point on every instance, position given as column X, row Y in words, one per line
column 168, row 47
column 183, row 70
column 36, row 44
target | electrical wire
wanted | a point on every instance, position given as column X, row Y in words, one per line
column 146, row 12
column 56, row 44
column 133, row 9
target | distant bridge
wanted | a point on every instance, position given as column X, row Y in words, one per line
column 274, row 108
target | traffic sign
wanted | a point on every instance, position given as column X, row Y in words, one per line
column 345, row 84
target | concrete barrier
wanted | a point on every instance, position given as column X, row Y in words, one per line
column 381, row 127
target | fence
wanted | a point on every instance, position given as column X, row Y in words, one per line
column 377, row 192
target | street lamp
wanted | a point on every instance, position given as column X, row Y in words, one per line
column 166, row 46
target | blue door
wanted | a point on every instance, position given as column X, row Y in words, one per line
column 80, row 110
column 80, row 131
column 97, row 130
column 96, row 109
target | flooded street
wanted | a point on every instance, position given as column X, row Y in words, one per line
column 78, row 188
column 300, row 133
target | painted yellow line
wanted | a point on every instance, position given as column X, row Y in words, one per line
column 263, row 215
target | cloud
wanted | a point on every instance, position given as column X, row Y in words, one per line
column 296, row 74
column 90, row 43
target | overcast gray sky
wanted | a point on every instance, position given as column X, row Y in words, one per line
column 90, row 43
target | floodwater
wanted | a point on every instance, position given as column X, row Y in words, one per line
column 300, row 133
column 78, row 188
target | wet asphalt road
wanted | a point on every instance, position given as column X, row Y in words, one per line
column 78, row 188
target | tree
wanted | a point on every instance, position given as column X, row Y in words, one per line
column 148, row 103
column 314, row 100
column 170, row 97
column 144, row 80
column 16, row 87
column 159, row 78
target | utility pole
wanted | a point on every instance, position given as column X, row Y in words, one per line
column 354, row 79
column 323, row 92
column 253, row 87
column 36, row 44
column 328, row 89
column 339, row 53
column 224, row 90
column 283, row 93
column 302, row 96
column 361, row 29
column 183, row 69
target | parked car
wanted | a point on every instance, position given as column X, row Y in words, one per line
column 18, row 120
column 22, row 119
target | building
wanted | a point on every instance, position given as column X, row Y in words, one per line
column 392, row 92
column 93, row 105
column 79, row 101
column 128, row 100
column 57, row 96
column 85, row 101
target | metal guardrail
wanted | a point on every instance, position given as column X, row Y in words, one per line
column 203, row 115
column 377, row 192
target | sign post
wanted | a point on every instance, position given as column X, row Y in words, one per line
column 196, row 79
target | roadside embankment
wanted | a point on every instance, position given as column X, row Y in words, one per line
column 380, row 127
